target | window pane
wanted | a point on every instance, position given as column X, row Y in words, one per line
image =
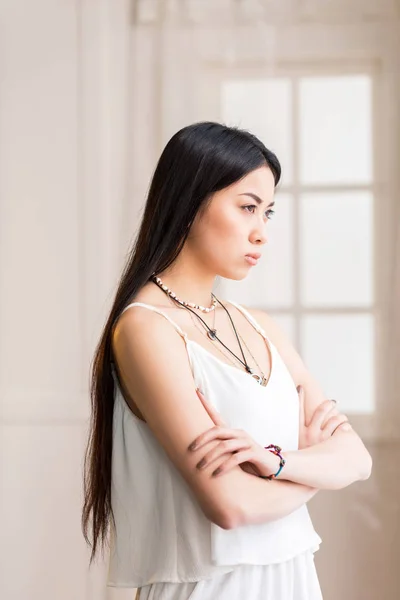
column 263, row 106
column 339, row 353
column 336, row 241
column 270, row 283
column 335, row 130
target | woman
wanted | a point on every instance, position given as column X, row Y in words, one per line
column 224, row 518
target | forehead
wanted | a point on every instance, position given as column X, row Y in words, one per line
column 260, row 181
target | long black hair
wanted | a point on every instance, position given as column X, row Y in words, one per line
column 198, row 160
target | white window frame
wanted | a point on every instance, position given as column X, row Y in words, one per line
column 378, row 425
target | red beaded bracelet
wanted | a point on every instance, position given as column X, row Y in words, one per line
column 277, row 451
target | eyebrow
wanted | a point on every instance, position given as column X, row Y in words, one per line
column 256, row 198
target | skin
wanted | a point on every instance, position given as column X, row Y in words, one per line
column 238, row 448
column 231, row 226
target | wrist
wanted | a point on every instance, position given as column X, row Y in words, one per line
column 290, row 458
column 270, row 464
column 274, row 460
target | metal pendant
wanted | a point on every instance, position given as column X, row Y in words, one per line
column 260, row 379
column 212, row 334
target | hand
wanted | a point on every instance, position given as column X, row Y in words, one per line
column 235, row 448
column 325, row 420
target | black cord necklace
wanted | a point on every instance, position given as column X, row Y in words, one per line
column 212, row 334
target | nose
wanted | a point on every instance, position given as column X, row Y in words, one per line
column 259, row 235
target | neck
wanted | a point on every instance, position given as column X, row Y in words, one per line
column 189, row 286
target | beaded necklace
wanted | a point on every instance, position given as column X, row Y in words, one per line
column 171, row 294
column 211, row 333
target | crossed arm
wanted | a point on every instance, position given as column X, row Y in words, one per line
column 332, row 464
column 171, row 409
column 330, row 454
column 324, row 461
column 307, row 470
column 335, row 462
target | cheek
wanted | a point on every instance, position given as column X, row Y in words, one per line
column 218, row 239
column 224, row 225
column 221, row 235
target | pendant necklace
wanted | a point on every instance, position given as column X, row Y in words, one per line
column 212, row 333
column 262, row 379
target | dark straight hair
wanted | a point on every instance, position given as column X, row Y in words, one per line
column 198, row 160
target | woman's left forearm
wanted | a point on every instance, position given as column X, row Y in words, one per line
column 331, row 465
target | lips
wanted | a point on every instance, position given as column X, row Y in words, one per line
column 255, row 255
column 252, row 258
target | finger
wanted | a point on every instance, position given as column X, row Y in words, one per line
column 300, row 391
column 223, row 448
column 333, row 423
column 227, row 464
column 331, row 413
column 339, row 417
column 320, row 412
column 213, row 413
column 214, row 433
column 343, row 427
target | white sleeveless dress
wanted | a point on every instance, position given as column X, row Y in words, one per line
column 162, row 542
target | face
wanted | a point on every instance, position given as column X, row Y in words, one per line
column 234, row 225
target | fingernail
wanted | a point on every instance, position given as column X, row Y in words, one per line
column 217, row 472
column 333, row 400
column 298, row 388
column 192, row 446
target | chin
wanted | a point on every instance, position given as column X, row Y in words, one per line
column 234, row 274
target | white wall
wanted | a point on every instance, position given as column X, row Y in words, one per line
column 61, row 186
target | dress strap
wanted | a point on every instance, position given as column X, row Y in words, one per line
column 160, row 312
column 250, row 318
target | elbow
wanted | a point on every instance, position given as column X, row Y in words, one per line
column 366, row 469
column 221, row 509
column 230, row 518
column 362, row 465
column 360, row 471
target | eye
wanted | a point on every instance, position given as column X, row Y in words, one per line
column 268, row 212
column 249, row 206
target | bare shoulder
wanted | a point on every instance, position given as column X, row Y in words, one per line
column 154, row 363
column 140, row 331
column 274, row 332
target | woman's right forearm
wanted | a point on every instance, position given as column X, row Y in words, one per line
column 261, row 500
